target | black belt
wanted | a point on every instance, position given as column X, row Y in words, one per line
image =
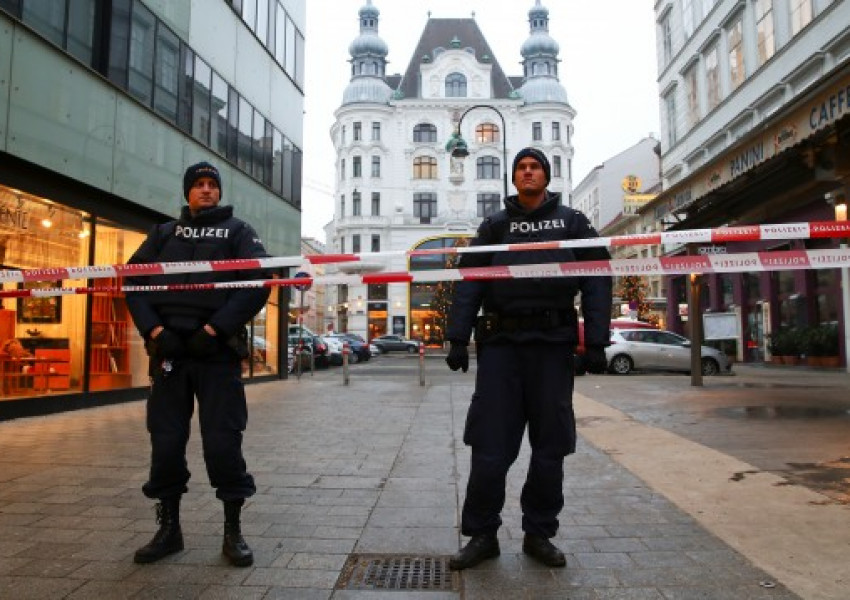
column 511, row 323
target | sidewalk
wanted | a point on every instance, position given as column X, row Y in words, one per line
column 374, row 468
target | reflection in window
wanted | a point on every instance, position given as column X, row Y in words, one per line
column 456, row 85
column 246, row 127
column 376, row 204
column 712, row 77
column 537, row 131
column 167, row 65
column 424, row 133
column 142, row 26
column 47, row 18
column 736, row 53
column 801, row 15
column 487, row 167
column 487, row 133
column 81, row 30
column 425, row 207
column 376, row 166
column 764, row 30
column 218, row 119
column 424, row 167
column 488, row 204
column 201, row 96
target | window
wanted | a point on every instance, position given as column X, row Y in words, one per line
column 47, row 18
column 688, row 17
column 537, row 131
column 693, row 95
column 376, row 131
column 764, row 30
column 424, row 133
column 487, row 167
column 258, row 153
column 736, row 53
column 556, row 166
column 342, row 169
column 377, row 291
column 342, row 136
column 670, row 118
column 357, row 131
column 376, row 166
column 712, row 77
column 355, row 243
column 218, row 121
column 201, row 101
column 666, row 39
column 376, row 243
column 376, row 204
column 342, row 205
column 556, row 131
column 801, row 15
column 246, row 128
column 356, row 167
column 142, row 29
column 342, row 247
column 487, row 133
column 456, row 85
column 355, row 204
column 488, row 204
column 424, row 167
column 425, row 207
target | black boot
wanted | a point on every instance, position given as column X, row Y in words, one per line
column 479, row 549
column 543, row 551
column 169, row 538
column 234, row 546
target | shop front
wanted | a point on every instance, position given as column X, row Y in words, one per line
column 789, row 171
column 76, row 350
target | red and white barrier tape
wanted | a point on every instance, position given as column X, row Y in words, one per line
column 749, row 233
column 674, row 265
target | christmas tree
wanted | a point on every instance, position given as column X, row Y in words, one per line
column 633, row 290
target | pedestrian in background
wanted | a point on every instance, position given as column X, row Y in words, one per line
column 525, row 340
column 196, row 342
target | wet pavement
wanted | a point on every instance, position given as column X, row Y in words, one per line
column 675, row 492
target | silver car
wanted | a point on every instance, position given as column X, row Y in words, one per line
column 655, row 349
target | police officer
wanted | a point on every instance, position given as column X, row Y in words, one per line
column 196, row 342
column 525, row 338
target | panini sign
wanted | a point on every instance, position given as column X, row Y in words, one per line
column 820, row 113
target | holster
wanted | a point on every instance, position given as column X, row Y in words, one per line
column 238, row 342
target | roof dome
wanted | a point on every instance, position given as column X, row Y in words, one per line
column 538, row 90
column 538, row 11
column 370, row 90
column 368, row 10
column 368, row 43
column 539, row 42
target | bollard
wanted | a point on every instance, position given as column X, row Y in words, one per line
column 346, row 350
column 299, row 353
column 421, row 363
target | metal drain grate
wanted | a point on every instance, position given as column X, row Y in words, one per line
column 397, row 572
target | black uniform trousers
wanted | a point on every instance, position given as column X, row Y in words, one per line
column 518, row 384
column 222, row 414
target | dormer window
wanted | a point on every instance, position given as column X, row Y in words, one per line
column 456, row 85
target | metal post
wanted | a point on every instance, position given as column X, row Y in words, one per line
column 300, row 347
column 504, row 141
column 845, row 307
column 695, row 320
column 346, row 350
column 421, row 363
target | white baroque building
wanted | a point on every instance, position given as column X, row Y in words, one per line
column 398, row 187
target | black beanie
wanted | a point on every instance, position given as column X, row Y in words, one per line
column 195, row 172
column 536, row 155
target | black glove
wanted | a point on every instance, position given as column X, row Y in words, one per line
column 595, row 360
column 458, row 357
column 202, row 344
column 166, row 345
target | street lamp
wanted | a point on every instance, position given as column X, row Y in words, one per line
column 459, row 148
column 841, row 215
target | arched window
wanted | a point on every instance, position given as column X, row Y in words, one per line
column 487, row 167
column 424, row 167
column 424, row 133
column 487, row 133
column 456, row 85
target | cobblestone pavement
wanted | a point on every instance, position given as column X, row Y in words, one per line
column 374, row 468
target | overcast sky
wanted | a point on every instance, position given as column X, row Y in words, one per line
column 608, row 68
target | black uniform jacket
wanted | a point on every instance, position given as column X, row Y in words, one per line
column 538, row 296
column 213, row 234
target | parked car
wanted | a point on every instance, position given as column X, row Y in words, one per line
column 359, row 348
column 374, row 350
column 615, row 324
column 389, row 343
column 313, row 345
column 334, row 349
column 656, row 349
